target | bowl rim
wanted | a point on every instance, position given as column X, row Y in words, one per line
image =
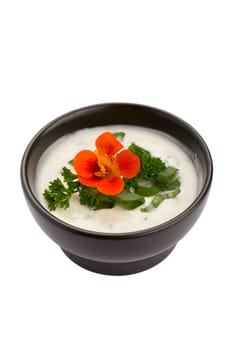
column 115, row 235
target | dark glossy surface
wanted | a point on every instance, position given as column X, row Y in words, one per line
column 117, row 254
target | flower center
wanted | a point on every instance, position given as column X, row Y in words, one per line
column 107, row 167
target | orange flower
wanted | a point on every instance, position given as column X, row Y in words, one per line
column 105, row 167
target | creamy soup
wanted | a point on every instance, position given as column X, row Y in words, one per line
column 117, row 219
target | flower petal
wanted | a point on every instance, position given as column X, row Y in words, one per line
column 85, row 163
column 91, row 182
column 111, row 187
column 107, row 144
column 128, row 163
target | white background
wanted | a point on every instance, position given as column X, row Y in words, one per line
column 61, row 55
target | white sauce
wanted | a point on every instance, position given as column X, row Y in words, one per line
column 117, row 219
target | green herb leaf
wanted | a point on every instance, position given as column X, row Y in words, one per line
column 68, row 176
column 129, row 200
column 58, row 194
column 159, row 198
column 146, row 187
column 93, row 199
column 167, row 175
column 150, row 166
column 119, row 135
column 173, row 185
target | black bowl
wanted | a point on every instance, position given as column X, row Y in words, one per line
column 125, row 253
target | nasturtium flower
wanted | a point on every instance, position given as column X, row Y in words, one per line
column 105, row 167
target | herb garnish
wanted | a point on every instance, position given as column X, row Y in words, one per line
column 58, row 193
column 154, row 179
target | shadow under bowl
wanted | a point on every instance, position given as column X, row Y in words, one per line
column 117, row 254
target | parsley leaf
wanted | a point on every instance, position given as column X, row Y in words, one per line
column 58, row 193
column 93, row 199
column 150, row 166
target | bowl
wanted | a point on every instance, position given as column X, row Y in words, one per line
column 117, row 254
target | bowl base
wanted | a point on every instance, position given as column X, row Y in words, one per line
column 118, row 268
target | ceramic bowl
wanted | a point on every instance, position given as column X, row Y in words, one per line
column 113, row 253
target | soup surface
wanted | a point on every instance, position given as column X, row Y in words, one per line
column 117, row 219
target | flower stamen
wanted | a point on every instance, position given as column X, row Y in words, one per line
column 107, row 166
